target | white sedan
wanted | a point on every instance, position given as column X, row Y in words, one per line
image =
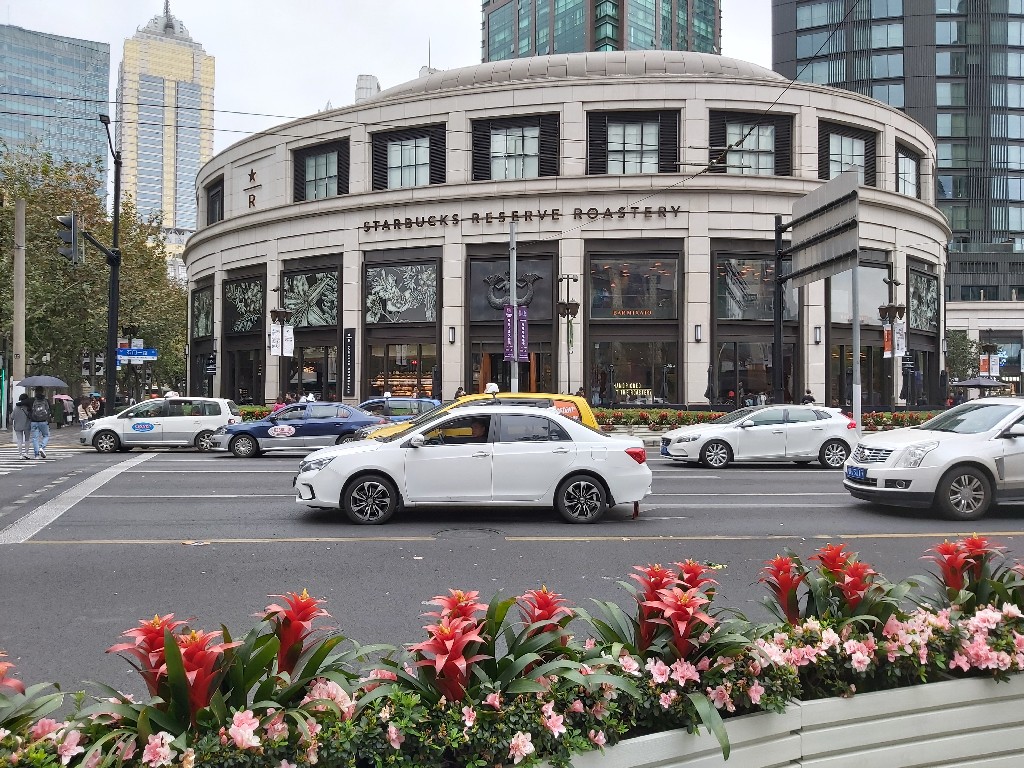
column 482, row 455
column 799, row 433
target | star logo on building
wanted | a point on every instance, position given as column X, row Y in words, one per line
column 252, row 176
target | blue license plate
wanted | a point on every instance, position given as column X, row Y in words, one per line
column 856, row 473
column 664, row 450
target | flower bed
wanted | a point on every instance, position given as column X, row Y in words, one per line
column 878, row 421
column 254, row 412
column 652, row 419
column 522, row 680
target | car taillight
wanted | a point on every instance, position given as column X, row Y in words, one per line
column 382, row 420
column 232, row 421
column 850, row 423
column 639, row 455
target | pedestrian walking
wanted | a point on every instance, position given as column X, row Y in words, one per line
column 39, row 417
column 460, row 392
column 21, row 424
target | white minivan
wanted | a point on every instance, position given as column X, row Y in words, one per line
column 166, row 422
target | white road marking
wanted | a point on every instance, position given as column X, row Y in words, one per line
column 210, row 471
column 762, row 494
column 24, row 529
column 195, row 496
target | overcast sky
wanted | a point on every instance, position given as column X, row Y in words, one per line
column 289, row 58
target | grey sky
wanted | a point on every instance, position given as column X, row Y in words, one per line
column 288, row 58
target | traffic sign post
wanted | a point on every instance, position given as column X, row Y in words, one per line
column 136, row 356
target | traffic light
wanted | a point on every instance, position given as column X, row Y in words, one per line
column 86, row 364
column 98, row 364
column 68, row 234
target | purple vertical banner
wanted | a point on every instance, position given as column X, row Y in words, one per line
column 508, row 331
column 524, row 336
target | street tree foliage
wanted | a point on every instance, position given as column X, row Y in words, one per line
column 961, row 355
column 65, row 304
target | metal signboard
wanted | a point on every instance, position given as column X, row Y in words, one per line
column 826, row 238
column 348, row 363
column 125, row 354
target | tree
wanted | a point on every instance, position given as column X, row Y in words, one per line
column 66, row 305
column 961, row 355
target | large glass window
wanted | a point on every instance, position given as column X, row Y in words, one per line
column 875, row 377
column 820, row 43
column 632, row 147
column 950, row 63
column 923, row 308
column 887, row 65
column 820, row 14
column 951, row 187
column 845, row 153
column 501, row 33
column 887, row 36
column 409, row 162
column 824, row 72
column 400, row 369
column 633, row 288
column 950, row 6
column 321, row 176
column 632, row 372
column 515, row 152
column 873, row 293
column 215, row 202
column 570, row 26
column 979, row 293
column 907, row 172
column 314, row 370
column 951, row 94
column 745, row 289
column 892, row 94
column 401, row 293
column 312, row 297
column 755, row 149
column 742, row 374
column 881, row 9
column 949, row 32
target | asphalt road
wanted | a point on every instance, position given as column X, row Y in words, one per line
column 90, row 544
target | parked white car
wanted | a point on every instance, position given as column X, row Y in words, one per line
column 799, row 433
column 959, row 462
column 478, row 456
column 173, row 421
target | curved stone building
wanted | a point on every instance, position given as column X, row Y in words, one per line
column 643, row 187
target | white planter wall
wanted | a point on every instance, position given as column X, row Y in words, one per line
column 961, row 723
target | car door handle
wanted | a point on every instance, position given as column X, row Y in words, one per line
column 778, row 431
column 481, row 455
column 817, row 429
column 560, row 450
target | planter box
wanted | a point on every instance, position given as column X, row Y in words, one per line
column 940, row 725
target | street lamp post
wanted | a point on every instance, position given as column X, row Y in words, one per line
column 114, row 288
column 280, row 317
column 568, row 309
column 889, row 314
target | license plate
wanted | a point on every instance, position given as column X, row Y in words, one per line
column 664, row 450
column 856, row 473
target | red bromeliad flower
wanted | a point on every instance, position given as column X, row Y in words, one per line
column 783, row 577
column 978, row 551
column 654, row 578
column 446, row 650
column 148, row 648
column 537, row 605
column 691, row 573
column 833, row 558
column 201, row 662
column 9, row 683
column 680, row 611
column 951, row 558
column 855, row 581
column 457, row 603
column 293, row 626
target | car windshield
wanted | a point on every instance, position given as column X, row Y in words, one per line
column 969, row 418
column 423, row 418
column 735, row 416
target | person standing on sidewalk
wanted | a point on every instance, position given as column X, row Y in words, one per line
column 39, row 416
column 21, row 424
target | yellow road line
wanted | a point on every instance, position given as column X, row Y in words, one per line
column 198, row 542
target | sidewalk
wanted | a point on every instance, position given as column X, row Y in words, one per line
column 65, row 437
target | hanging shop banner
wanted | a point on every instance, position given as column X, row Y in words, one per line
column 522, row 328
column 983, row 365
column 288, row 341
column 348, row 362
column 275, row 340
column 899, row 338
column 886, row 341
column 993, row 366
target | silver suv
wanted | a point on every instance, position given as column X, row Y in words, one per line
column 171, row 422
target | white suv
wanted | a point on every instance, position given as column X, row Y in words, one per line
column 960, row 462
column 172, row 421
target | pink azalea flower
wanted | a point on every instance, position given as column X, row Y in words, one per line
column 68, row 748
column 658, row 669
column 158, row 750
column 276, row 728
column 395, row 737
column 4, row 733
column 589, row 643
column 598, row 738
column 959, row 660
column 468, row 716
column 1018, row 641
column 493, row 700
column 719, row 696
column 548, row 709
column 860, row 661
column 666, row 699
column 94, row 760
column 599, row 710
column 1011, row 611
column 243, row 730
column 755, row 691
column 286, row 764
column 629, row 665
column 44, row 728
column 555, row 724
column 314, row 729
column 128, row 750
column 576, row 706
column 704, row 664
column 520, row 747
column 682, row 671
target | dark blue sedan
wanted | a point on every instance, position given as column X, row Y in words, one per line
column 399, row 408
column 303, row 426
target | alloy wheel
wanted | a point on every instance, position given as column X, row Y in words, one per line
column 582, row 499
column 243, row 446
column 716, row 455
column 834, row 454
column 967, row 494
column 370, row 501
column 105, row 442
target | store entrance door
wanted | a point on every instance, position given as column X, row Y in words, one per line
column 489, row 366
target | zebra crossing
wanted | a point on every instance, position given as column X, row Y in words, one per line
column 11, row 461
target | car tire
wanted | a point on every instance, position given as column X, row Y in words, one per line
column 245, row 447
column 106, row 442
column 581, row 499
column 716, row 454
column 833, row 454
column 345, row 439
column 964, row 493
column 202, row 442
column 369, row 500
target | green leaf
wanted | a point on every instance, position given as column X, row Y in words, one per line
column 710, row 717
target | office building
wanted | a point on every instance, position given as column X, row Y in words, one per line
column 957, row 67
column 515, row 29
column 165, row 120
column 52, row 89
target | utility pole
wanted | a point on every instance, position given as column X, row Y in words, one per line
column 18, row 367
column 114, row 289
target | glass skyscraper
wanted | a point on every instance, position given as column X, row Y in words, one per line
column 52, row 90
column 519, row 28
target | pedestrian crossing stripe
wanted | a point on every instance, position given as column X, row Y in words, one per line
column 11, row 460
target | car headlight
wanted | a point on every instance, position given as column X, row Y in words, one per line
column 86, row 425
column 314, row 465
column 687, row 438
column 221, row 431
column 914, row 454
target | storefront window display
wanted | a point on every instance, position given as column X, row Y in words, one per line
column 919, row 390
column 314, row 370
column 243, row 376
column 312, row 298
column 633, row 287
column 404, row 370
column 401, row 293
column 632, row 373
column 202, row 313
column 742, row 374
column 873, row 293
column 875, row 377
column 243, row 306
column 489, row 366
column 745, row 288
column 923, row 308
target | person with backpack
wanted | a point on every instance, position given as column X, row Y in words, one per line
column 21, row 424
column 39, row 416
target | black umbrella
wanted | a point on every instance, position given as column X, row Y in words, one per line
column 980, row 382
column 42, row 381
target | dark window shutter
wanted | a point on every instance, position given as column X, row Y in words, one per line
column 548, row 162
column 668, row 142
column 716, row 142
column 784, row 145
column 597, row 142
column 824, row 134
column 870, row 140
column 438, row 153
column 379, row 160
column 481, row 150
column 344, row 158
column 299, row 175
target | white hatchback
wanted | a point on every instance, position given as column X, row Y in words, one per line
column 478, row 456
column 172, row 421
column 959, row 462
column 799, row 433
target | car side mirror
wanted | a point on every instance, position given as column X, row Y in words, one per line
column 1015, row 430
column 416, row 441
column 747, row 423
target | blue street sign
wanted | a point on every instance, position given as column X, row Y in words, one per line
column 124, row 353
